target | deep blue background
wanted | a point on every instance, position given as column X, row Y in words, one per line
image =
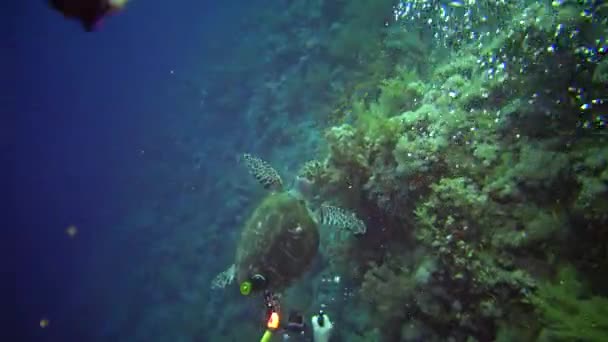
column 82, row 109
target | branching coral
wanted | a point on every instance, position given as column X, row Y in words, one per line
column 390, row 290
column 473, row 152
column 454, row 209
column 398, row 94
column 457, row 221
column 569, row 313
column 527, row 166
column 347, row 148
column 591, row 164
column 530, row 226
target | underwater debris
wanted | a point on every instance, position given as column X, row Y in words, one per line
column 224, row 279
column 342, row 219
column 89, row 13
column 263, row 172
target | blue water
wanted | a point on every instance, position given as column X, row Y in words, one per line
column 93, row 111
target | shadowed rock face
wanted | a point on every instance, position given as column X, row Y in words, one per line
column 279, row 241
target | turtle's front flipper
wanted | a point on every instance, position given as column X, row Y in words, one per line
column 224, row 279
column 263, row 172
column 341, row 219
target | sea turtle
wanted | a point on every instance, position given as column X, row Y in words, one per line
column 281, row 237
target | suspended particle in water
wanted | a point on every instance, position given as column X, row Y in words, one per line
column 71, row 231
column 600, row 121
column 44, row 322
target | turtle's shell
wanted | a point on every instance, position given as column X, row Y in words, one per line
column 279, row 241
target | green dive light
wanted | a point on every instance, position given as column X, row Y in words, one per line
column 245, row 288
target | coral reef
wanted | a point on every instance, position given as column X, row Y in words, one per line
column 481, row 178
column 466, row 139
column 569, row 312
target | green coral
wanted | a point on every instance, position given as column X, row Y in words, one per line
column 592, row 176
column 362, row 25
column 387, row 288
column 425, row 139
column 530, row 227
column 539, row 166
column 457, row 220
column 600, row 74
column 462, row 64
column 415, row 154
column 456, row 203
column 398, row 94
column 347, row 163
column 312, row 170
column 393, row 293
column 347, row 147
column 529, row 164
column 486, row 152
column 569, row 313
